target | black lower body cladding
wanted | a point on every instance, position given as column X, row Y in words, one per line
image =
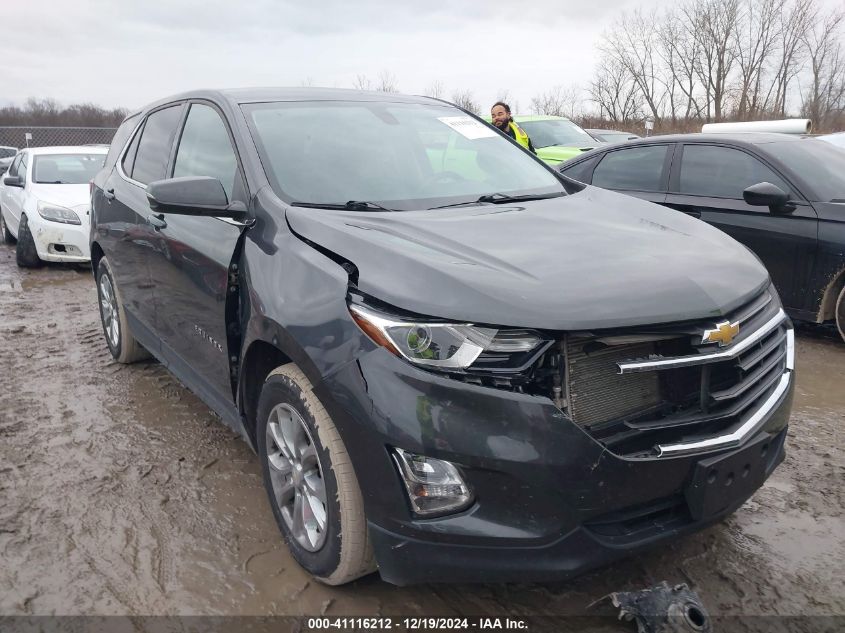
column 551, row 501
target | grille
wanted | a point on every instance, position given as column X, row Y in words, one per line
column 633, row 413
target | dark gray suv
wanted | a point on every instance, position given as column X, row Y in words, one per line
column 453, row 363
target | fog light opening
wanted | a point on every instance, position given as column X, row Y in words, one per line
column 434, row 486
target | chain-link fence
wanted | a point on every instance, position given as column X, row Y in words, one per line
column 20, row 136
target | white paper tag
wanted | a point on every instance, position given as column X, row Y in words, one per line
column 467, row 127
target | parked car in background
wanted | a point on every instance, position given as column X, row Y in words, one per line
column 837, row 139
column 780, row 195
column 452, row 368
column 45, row 203
column 556, row 139
column 7, row 153
column 612, row 136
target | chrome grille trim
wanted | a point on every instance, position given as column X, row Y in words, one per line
column 634, row 366
column 736, row 437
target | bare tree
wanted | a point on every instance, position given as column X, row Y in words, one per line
column 633, row 43
column 794, row 24
column 615, row 92
column 362, row 82
column 387, row 82
column 466, row 100
column 757, row 33
column 435, row 89
column 560, row 101
column 825, row 97
column 713, row 22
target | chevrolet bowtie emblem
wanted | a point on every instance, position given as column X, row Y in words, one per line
column 723, row 334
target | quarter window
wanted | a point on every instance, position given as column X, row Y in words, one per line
column 722, row 172
column 119, row 140
column 22, row 168
column 205, row 148
column 13, row 168
column 155, row 143
column 634, row 169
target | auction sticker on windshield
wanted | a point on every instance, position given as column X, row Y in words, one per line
column 468, row 127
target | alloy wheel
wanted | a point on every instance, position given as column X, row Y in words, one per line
column 108, row 311
column 297, row 477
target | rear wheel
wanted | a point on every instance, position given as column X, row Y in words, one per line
column 4, row 231
column 122, row 345
column 310, row 481
column 25, row 253
column 840, row 314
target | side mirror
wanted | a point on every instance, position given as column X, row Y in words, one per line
column 13, row 181
column 193, row 195
column 765, row 194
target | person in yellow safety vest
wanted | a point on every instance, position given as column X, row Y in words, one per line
column 501, row 115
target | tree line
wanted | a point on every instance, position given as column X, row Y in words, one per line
column 47, row 112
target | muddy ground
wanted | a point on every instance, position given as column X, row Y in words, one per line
column 123, row 494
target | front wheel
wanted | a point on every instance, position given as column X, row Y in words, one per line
column 310, row 481
column 26, row 254
column 122, row 345
column 840, row 313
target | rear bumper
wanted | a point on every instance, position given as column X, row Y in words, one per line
column 551, row 501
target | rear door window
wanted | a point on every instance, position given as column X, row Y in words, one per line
column 722, row 172
column 155, row 144
column 205, row 148
column 633, row 169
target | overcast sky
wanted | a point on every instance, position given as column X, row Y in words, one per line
column 128, row 52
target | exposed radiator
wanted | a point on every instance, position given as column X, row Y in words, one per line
column 596, row 392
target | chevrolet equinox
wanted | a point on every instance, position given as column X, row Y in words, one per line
column 453, row 363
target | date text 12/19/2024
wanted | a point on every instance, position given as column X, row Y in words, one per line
column 417, row 624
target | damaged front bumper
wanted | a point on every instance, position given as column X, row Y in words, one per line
column 550, row 500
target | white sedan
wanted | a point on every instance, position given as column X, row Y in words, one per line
column 45, row 203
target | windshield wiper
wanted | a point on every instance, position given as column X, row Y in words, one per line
column 499, row 198
column 352, row 205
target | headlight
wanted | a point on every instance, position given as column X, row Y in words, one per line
column 439, row 345
column 55, row 213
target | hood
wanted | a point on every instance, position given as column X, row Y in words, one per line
column 594, row 259
column 63, row 195
column 554, row 154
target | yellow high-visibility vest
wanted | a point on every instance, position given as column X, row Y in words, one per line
column 519, row 133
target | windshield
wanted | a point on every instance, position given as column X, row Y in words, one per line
column 556, row 132
column 399, row 155
column 66, row 169
column 819, row 164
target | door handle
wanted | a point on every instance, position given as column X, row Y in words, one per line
column 108, row 194
column 158, row 221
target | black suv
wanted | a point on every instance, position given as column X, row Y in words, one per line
column 453, row 362
column 780, row 195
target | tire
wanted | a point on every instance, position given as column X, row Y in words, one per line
column 4, row 231
column 122, row 345
column 840, row 313
column 25, row 253
column 340, row 551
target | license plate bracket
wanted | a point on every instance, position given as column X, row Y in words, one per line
column 720, row 482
